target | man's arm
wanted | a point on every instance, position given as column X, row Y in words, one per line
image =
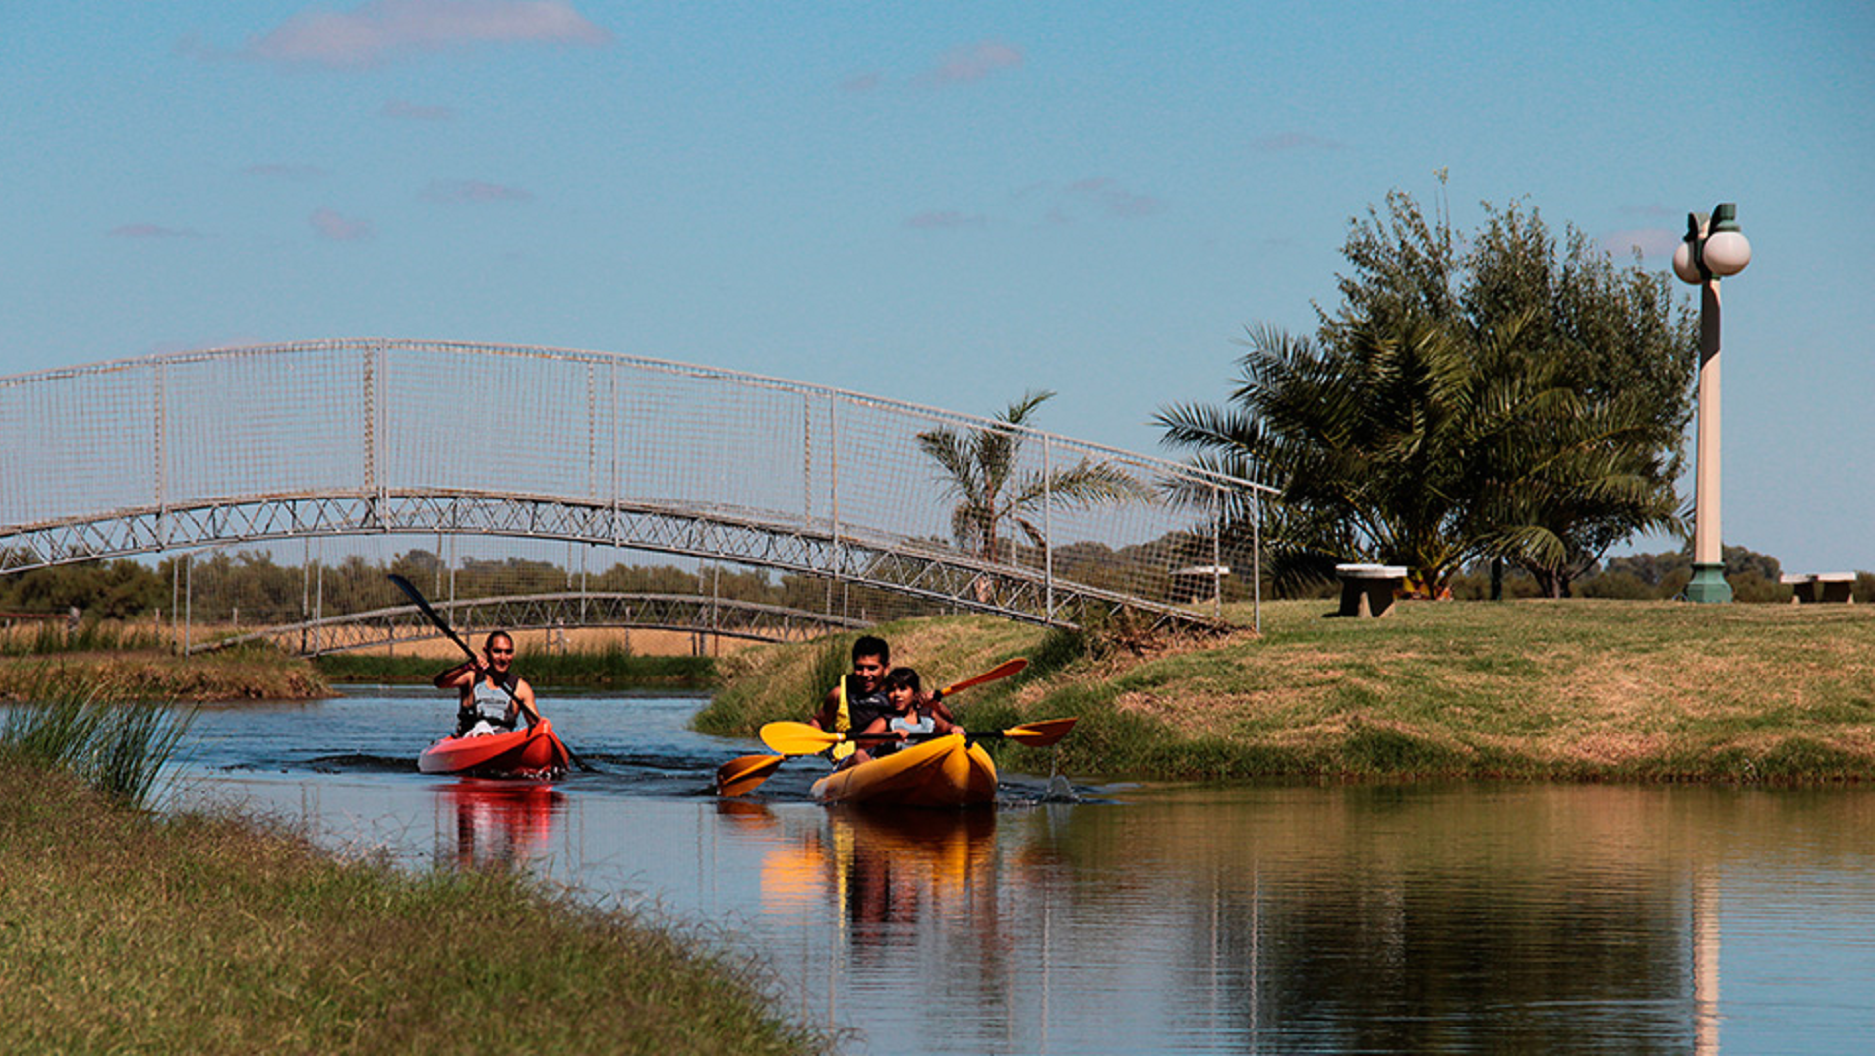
column 829, row 710
column 457, row 677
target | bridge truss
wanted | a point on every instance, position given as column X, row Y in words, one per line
column 370, row 439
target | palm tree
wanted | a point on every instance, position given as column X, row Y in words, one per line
column 1501, row 401
column 983, row 472
column 1402, row 443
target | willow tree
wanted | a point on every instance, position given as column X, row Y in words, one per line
column 996, row 497
column 1468, row 399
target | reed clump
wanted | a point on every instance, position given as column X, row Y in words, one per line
column 118, row 747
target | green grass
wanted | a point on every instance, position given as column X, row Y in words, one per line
column 1573, row 690
column 123, row 932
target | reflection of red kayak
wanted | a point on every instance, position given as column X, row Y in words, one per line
column 514, row 752
column 502, row 822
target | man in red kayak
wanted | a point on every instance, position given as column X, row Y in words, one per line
column 490, row 695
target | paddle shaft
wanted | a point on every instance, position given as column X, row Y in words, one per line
column 1002, row 670
column 798, row 738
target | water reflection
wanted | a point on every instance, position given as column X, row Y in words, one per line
column 1201, row 920
column 880, row 868
column 500, row 823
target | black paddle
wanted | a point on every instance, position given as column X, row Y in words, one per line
column 415, row 595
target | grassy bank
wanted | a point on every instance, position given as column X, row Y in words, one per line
column 1573, row 690
column 149, row 674
column 121, row 932
column 260, row 673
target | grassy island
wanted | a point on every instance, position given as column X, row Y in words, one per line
column 1576, row 690
column 154, row 674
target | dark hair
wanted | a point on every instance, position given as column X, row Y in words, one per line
column 902, row 678
column 868, row 645
column 489, row 642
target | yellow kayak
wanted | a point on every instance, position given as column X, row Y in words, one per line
column 942, row 772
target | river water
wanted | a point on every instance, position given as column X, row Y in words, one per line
column 1434, row 918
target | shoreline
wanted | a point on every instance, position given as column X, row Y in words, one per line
column 1573, row 690
column 218, row 934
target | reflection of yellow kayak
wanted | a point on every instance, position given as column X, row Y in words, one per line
column 943, row 772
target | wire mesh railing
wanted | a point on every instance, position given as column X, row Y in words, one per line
column 540, row 460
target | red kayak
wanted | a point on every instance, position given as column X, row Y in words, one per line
column 526, row 753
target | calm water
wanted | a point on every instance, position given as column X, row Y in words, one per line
column 1455, row 918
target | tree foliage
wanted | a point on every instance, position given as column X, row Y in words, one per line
column 1492, row 396
column 983, row 472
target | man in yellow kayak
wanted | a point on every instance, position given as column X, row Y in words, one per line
column 858, row 699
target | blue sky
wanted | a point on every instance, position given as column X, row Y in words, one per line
column 947, row 202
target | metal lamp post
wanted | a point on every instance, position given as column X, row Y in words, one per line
column 1713, row 249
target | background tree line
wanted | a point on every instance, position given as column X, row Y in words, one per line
column 250, row 587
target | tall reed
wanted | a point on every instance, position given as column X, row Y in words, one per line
column 610, row 667
column 91, row 636
column 116, row 746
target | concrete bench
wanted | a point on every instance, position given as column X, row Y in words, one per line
column 1808, row 588
column 1368, row 590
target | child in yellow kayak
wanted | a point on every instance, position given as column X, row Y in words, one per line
column 914, row 713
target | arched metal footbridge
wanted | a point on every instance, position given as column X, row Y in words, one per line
column 425, row 442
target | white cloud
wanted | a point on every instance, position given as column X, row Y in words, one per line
column 379, row 31
column 1113, row 198
column 1651, row 241
column 332, row 225
column 975, row 62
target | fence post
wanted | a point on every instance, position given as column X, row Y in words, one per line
column 1048, row 528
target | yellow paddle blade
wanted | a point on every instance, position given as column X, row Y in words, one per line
column 1040, row 734
column 798, row 738
column 742, row 774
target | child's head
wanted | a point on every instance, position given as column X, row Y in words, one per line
column 901, row 685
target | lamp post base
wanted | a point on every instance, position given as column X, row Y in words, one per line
column 1708, row 585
